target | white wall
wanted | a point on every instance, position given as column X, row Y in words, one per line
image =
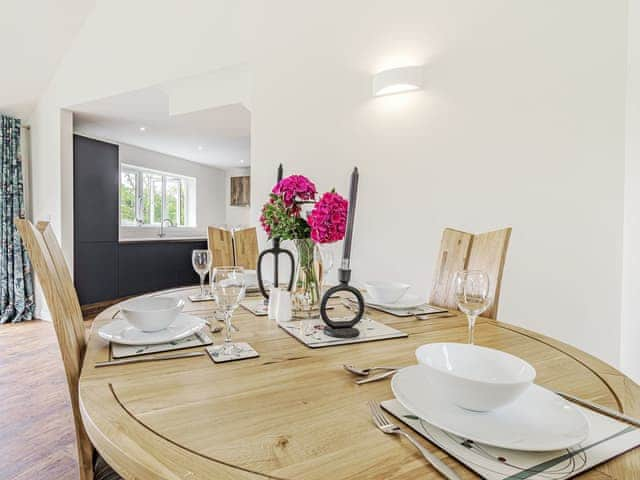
column 521, row 123
column 236, row 216
column 630, row 355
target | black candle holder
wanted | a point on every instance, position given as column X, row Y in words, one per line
column 276, row 251
column 342, row 329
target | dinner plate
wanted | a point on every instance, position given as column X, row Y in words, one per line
column 537, row 421
column 121, row 331
column 408, row 300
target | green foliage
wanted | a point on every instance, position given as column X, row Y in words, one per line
column 284, row 222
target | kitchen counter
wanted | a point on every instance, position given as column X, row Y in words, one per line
column 162, row 239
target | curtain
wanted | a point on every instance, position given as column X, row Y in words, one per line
column 16, row 280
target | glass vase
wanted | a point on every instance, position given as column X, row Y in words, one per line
column 307, row 286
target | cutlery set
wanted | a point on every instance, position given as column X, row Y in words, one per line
column 380, row 420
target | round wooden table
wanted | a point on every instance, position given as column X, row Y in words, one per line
column 294, row 413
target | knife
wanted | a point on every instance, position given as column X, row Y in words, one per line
column 600, row 409
column 125, row 361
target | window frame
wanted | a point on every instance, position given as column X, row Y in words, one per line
column 186, row 182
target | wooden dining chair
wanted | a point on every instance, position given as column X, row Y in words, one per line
column 53, row 274
column 468, row 251
column 221, row 246
column 245, row 243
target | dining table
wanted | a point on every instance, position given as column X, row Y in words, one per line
column 294, row 412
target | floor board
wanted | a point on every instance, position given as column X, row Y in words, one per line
column 36, row 427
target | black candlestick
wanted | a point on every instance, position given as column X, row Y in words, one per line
column 276, row 241
column 345, row 329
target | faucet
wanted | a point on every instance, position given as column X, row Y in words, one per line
column 162, row 234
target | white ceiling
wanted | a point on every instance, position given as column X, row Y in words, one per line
column 218, row 137
column 34, row 35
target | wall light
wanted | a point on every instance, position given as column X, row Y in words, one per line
column 398, row 80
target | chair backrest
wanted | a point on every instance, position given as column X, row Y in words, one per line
column 221, row 246
column 246, row 248
column 467, row 251
column 54, row 277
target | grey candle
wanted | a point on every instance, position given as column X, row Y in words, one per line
column 353, row 194
column 279, row 173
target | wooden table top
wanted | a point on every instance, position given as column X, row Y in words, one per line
column 294, row 413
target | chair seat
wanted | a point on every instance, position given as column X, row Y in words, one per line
column 103, row 471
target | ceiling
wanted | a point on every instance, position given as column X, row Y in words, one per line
column 218, row 137
column 34, row 36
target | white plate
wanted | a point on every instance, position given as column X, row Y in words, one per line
column 408, row 300
column 538, row 421
column 121, row 331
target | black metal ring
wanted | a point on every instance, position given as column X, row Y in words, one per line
column 325, row 299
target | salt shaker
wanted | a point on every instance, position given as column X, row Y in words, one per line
column 274, row 297
column 283, row 310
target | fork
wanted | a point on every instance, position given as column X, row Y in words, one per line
column 380, row 420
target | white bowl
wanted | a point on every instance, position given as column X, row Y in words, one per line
column 475, row 378
column 151, row 314
column 386, row 292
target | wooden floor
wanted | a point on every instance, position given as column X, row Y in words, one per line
column 36, row 428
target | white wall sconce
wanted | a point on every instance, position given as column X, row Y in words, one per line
column 398, row 80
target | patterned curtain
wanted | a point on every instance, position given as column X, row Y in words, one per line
column 16, row 281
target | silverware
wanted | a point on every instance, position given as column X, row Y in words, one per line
column 380, row 420
column 382, row 376
column 201, row 336
column 150, row 358
column 600, row 409
column 434, row 315
column 366, row 371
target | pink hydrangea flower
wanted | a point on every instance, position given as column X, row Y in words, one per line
column 295, row 187
column 328, row 219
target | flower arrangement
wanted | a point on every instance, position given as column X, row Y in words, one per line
column 282, row 218
column 282, row 214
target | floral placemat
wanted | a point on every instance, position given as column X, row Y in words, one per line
column 200, row 298
column 216, row 353
column 607, row 439
column 198, row 339
column 257, row 307
column 311, row 332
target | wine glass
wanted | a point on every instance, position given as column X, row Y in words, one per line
column 201, row 261
column 228, row 285
column 472, row 294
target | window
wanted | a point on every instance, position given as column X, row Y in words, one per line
column 148, row 197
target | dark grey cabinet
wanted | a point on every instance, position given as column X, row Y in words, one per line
column 148, row 266
column 95, row 212
column 95, row 187
column 96, row 271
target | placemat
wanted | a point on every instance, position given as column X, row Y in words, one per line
column 199, row 339
column 257, row 307
column 198, row 298
column 246, row 351
column 424, row 309
column 607, row 439
column 311, row 332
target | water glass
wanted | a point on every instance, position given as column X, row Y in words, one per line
column 228, row 286
column 201, row 261
column 471, row 288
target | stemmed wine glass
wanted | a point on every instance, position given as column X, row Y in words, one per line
column 228, row 285
column 472, row 294
column 201, row 261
